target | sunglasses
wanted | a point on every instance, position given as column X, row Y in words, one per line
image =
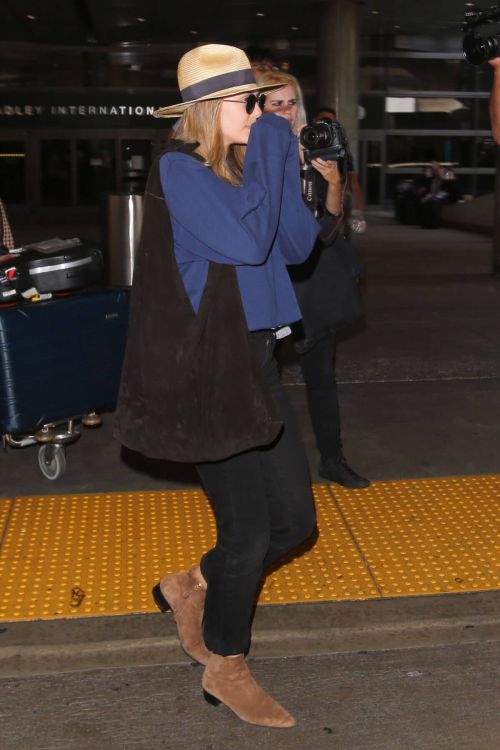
column 250, row 102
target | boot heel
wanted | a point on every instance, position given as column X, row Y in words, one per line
column 160, row 600
column 211, row 699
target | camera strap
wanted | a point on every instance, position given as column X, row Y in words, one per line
column 309, row 186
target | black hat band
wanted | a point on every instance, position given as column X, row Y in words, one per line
column 217, row 83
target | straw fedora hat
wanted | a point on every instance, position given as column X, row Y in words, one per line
column 212, row 71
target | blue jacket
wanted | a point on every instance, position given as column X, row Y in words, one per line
column 260, row 226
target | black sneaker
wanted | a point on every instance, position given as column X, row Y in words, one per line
column 341, row 473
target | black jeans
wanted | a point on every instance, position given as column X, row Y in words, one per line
column 263, row 507
column 318, row 370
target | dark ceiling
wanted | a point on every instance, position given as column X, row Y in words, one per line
column 104, row 22
column 107, row 22
column 138, row 42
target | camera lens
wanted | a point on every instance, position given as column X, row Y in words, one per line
column 316, row 136
column 478, row 50
column 492, row 46
column 309, row 137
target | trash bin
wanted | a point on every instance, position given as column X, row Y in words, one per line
column 123, row 231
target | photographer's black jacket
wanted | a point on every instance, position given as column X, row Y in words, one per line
column 326, row 285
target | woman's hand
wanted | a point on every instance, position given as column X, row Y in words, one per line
column 495, row 63
column 329, row 170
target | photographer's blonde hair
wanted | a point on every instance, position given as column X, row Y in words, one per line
column 200, row 123
column 285, row 79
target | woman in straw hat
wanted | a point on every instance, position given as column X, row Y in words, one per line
column 211, row 295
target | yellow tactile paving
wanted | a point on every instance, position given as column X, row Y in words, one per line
column 5, row 506
column 89, row 555
column 101, row 554
column 97, row 554
column 331, row 569
column 428, row 536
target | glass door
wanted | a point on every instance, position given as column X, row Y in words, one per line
column 13, row 171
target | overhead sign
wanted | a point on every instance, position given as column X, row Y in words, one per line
column 73, row 110
column 113, row 109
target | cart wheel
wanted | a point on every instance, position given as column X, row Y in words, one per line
column 52, row 460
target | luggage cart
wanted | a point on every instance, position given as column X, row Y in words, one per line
column 57, row 358
column 52, row 440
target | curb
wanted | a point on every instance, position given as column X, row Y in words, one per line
column 280, row 631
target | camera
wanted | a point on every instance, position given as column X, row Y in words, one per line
column 479, row 49
column 325, row 139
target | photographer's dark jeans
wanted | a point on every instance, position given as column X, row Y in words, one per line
column 263, row 508
column 318, row 370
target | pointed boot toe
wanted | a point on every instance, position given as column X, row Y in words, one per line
column 228, row 680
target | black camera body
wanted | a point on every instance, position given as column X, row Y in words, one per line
column 325, row 140
column 479, row 49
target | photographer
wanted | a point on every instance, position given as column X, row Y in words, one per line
column 495, row 100
column 326, row 288
column 480, row 46
column 358, row 202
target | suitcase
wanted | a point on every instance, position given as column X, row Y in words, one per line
column 60, row 358
column 55, row 265
column 59, row 265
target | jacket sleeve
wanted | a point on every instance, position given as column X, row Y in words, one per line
column 231, row 224
column 330, row 225
column 298, row 227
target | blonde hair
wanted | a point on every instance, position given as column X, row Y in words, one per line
column 285, row 79
column 200, row 123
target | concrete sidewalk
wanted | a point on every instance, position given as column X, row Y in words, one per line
column 390, row 249
column 421, row 673
column 414, row 699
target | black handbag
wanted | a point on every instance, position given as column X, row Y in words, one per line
column 327, row 289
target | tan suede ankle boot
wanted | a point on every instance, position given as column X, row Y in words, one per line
column 184, row 594
column 227, row 680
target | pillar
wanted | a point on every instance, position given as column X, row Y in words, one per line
column 496, row 219
column 338, row 64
